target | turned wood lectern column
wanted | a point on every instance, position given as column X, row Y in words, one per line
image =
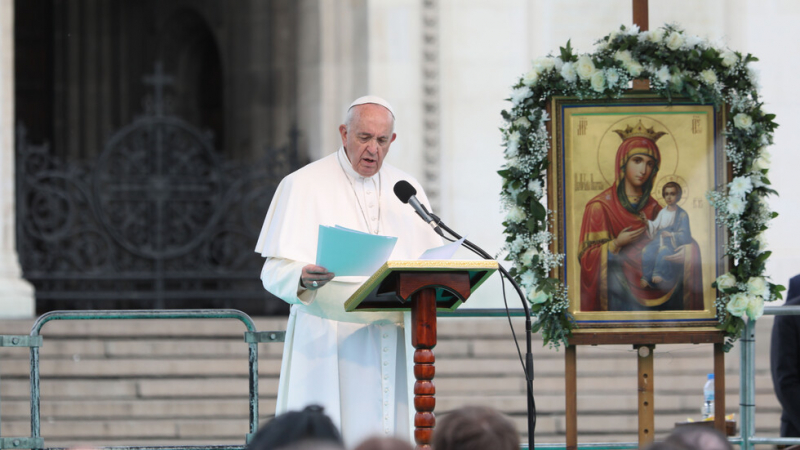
column 420, row 287
column 423, row 287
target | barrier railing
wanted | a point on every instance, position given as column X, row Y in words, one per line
column 747, row 436
column 746, row 439
column 251, row 336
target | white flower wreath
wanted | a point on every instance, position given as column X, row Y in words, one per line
column 677, row 65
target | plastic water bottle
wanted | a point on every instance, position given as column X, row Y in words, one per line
column 708, row 398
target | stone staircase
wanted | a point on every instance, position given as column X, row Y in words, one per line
column 184, row 382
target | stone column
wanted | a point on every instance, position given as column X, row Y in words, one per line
column 16, row 294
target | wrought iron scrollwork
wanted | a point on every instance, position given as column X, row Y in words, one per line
column 157, row 220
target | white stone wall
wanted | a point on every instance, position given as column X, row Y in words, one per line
column 16, row 294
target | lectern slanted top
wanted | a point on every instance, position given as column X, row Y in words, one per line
column 379, row 292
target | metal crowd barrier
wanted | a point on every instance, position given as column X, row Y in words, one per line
column 34, row 341
column 746, row 440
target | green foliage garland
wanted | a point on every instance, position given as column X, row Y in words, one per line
column 677, row 65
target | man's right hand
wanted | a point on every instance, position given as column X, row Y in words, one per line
column 314, row 277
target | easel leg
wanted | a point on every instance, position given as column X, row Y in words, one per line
column 423, row 338
column 646, row 396
column 719, row 389
column 571, row 378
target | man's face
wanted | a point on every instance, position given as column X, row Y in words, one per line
column 368, row 138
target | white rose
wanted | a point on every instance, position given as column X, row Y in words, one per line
column 527, row 257
column 675, row 40
column 708, row 76
column 726, row 281
column 558, row 64
column 755, row 307
column 635, row 69
column 522, row 122
column 516, row 215
column 535, row 186
column 543, row 64
column 758, row 286
column 612, row 77
column 729, row 58
column 519, row 95
column 736, row 206
column 762, row 162
column 663, row 74
column 623, row 56
column 633, row 29
column 568, row 72
column 598, row 81
column 656, row 36
column 536, row 296
column 738, row 303
column 530, row 78
column 585, row 67
column 742, row 121
column 693, row 41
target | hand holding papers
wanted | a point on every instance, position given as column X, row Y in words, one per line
column 347, row 252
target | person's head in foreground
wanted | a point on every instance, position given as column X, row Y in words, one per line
column 384, row 443
column 693, row 437
column 475, row 428
column 298, row 428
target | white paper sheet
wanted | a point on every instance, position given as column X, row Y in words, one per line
column 444, row 252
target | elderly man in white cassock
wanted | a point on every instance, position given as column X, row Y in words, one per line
column 354, row 364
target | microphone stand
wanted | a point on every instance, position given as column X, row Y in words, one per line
column 528, row 355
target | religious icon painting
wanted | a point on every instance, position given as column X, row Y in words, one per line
column 628, row 182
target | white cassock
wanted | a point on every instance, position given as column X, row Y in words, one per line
column 352, row 363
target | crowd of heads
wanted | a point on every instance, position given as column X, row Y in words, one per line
column 468, row 428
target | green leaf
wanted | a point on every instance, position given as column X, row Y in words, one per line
column 538, row 210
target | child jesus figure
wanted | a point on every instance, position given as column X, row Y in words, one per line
column 668, row 231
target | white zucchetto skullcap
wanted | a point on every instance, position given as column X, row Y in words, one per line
column 372, row 99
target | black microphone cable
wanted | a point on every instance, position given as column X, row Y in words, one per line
column 527, row 366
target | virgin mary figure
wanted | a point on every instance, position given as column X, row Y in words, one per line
column 613, row 237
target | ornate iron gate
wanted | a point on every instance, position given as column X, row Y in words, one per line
column 158, row 220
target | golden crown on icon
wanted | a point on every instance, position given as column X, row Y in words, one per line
column 640, row 131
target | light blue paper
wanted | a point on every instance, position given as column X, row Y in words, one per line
column 347, row 252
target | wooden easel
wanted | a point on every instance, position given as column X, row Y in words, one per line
column 644, row 343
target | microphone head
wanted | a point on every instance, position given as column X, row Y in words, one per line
column 404, row 190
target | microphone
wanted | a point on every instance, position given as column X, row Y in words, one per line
column 407, row 194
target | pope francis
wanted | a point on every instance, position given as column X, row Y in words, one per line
column 354, row 364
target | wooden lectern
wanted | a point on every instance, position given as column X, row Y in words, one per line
column 423, row 287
